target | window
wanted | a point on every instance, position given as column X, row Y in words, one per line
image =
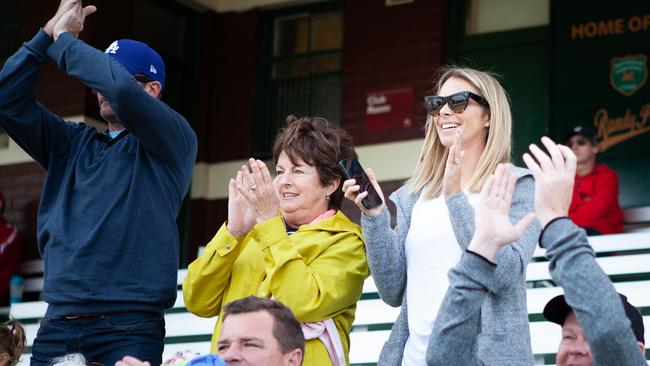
column 486, row 16
column 301, row 72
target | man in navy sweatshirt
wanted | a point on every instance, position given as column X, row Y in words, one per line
column 107, row 218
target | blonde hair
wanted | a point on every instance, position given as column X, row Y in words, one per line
column 430, row 169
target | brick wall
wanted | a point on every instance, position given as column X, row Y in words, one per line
column 389, row 47
column 21, row 185
column 224, row 107
column 230, row 44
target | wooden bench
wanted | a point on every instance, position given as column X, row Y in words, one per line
column 624, row 257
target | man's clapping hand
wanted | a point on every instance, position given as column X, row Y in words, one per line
column 69, row 17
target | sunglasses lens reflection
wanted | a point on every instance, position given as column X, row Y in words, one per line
column 434, row 105
column 456, row 102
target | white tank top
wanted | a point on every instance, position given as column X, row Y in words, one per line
column 431, row 251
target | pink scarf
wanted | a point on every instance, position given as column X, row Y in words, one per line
column 326, row 331
column 324, row 215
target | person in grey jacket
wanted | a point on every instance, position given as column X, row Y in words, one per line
column 588, row 292
column 468, row 133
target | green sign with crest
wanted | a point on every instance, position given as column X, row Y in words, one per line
column 599, row 69
column 629, row 73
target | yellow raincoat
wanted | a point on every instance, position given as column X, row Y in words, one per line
column 318, row 272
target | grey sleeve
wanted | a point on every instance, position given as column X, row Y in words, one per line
column 454, row 338
column 385, row 254
column 590, row 293
column 512, row 259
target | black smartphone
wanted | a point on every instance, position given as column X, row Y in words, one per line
column 353, row 170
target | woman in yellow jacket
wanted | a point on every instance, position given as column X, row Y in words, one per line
column 286, row 238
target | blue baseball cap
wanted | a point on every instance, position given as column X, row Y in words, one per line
column 138, row 58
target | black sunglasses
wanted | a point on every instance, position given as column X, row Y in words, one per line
column 457, row 102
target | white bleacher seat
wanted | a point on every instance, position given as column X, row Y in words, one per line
column 374, row 318
column 637, row 292
column 611, row 243
column 617, row 265
column 365, row 346
column 636, row 219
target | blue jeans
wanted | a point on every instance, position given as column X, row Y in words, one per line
column 101, row 338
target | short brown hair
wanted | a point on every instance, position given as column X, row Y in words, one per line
column 320, row 144
column 286, row 328
column 12, row 340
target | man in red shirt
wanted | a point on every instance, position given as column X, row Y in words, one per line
column 9, row 253
column 594, row 206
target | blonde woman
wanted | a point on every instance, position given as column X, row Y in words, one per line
column 468, row 134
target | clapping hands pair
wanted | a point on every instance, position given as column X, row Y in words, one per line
column 69, row 17
column 251, row 198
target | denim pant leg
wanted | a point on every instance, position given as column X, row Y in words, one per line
column 136, row 334
column 102, row 340
column 51, row 341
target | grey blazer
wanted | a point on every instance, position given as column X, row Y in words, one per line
column 587, row 289
column 504, row 338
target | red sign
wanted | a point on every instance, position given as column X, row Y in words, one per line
column 389, row 110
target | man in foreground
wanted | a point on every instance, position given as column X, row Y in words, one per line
column 107, row 218
column 259, row 331
column 255, row 332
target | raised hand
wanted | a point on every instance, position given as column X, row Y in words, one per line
column 72, row 21
column 554, row 178
column 241, row 217
column 258, row 191
column 350, row 190
column 494, row 229
column 451, row 180
column 64, row 6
